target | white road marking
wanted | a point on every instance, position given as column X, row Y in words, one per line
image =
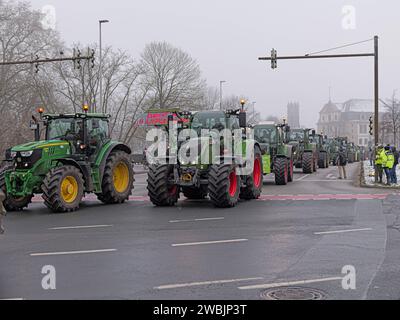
column 193, row 220
column 343, row 231
column 204, row 283
column 285, row 284
column 83, row 227
column 12, row 299
column 70, row 252
column 207, row 242
column 303, row 177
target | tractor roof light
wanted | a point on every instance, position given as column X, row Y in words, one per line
column 40, row 110
column 86, row 108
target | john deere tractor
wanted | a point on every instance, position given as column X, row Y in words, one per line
column 76, row 157
column 200, row 177
column 304, row 150
column 276, row 152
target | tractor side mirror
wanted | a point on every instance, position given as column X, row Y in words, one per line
column 242, row 119
column 313, row 132
column 287, row 129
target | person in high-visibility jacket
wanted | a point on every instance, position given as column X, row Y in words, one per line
column 378, row 161
column 387, row 163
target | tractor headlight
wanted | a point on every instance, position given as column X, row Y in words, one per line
column 26, row 154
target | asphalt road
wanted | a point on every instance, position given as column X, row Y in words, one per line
column 300, row 235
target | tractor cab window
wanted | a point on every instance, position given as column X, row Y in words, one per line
column 208, row 120
column 265, row 135
column 65, row 129
column 98, row 131
column 296, row 135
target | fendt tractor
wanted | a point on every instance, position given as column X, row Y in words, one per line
column 304, row 150
column 76, row 157
column 277, row 154
column 323, row 150
column 198, row 178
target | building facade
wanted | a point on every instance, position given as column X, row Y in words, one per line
column 349, row 119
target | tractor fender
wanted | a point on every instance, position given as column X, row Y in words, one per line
column 85, row 170
column 113, row 147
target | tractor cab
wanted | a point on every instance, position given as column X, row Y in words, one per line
column 85, row 133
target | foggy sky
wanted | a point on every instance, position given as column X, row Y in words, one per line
column 227, row 36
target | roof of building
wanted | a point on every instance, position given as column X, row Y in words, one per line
column 358, row 105
column 330, row 107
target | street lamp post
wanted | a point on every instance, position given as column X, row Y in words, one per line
column 101, row 65
column 254, row 111
column 220, row 93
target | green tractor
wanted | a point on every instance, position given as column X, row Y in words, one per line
column 276, row 152
column 200, row 177
column 304, row 150
column 77, row 157
column 333, row 147
column 323, row 150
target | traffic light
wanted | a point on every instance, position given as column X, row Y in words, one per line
column 371, row 126
column 93, row 59
column 274, row 63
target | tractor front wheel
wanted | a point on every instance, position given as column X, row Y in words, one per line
column 162, row 190
column 63, row 189
column 12, row 203
column 281, row 171
column 308, row 162
column 223, row 185
column 117, row 179
column 254, row 181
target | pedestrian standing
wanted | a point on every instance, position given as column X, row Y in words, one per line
column 2, row 210
column 378, row 161
column 387, row 164
column 341, row 163
column 371, row 156
column 395, row 164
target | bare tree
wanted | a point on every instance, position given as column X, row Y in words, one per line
column 173, row 77
column 22, row 37
column 392, row 118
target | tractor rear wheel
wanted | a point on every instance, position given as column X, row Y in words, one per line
column 223, row 185
column 254, row 181
column 308, row 162
column 13, row 203
column 161, row 188
column 290, row 176
column 117, row 179
column 63, row 189
column 281, row 170
column 194, row 193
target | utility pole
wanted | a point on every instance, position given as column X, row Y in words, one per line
column 101, row 65
column 220, row 93
column 274, row 57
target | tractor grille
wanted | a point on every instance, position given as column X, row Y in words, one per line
column 28, row 162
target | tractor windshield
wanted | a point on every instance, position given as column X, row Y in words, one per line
column 296, row 135
column 209, row 120
column 265, row 135
column 63, row 127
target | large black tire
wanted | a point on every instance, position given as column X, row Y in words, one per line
column 194, row 193
column 253, row 182
column 281, row 171
column 54, row 194
column 308, row 162
column 115, row 190
column 322, row 160
column 223, row 185
column 12, row 203
column 161, row 191
column 290, row 174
